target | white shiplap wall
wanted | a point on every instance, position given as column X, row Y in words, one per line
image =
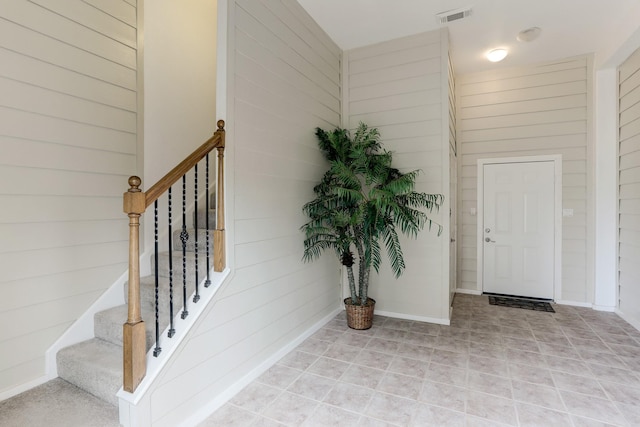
column 629, row 187
column 400, row 88
column 68, row 144
column 284, row 80
column 536, row 110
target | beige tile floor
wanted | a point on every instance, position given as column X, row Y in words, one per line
column 493, row 366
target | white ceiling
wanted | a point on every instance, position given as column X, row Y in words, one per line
column 569, row 27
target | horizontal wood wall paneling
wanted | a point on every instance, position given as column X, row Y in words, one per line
column 118, row 9
column 285, row 146
column 20, row 39
column 630, row 114
column 49, row 313
column 630, row 175
column 551, row 91
column 417, row 41
column 531, row 131
column 35, row 236
column 488, row 145
column 513, row 120
column 574, row 153
column 629, row 67
column 509, row 73
column 404, row 115
column 396, row 102
column 68, row 125
column 629, row 146
column 525, row 82
column 22, row 96
column 29, row 209
column 403, row 56
column 36, row 18
column 629, row 84
column 317, row 33
column 22, row 265
column 538, row 110
column 395, row 87
column 254, row 61
column 289, row 37
column 31, row 346
column 630, row 99
column 37, row 181
column 630, row 130
column 280, row 49
column 281, row 103
column 62, row 157
column 430, row 143
column 88, row 16
column 308, row 38
column 630, row 160
column 41, row 74
column 558, row 104
column 398, row 71
column 44, row 129
column 285, row 81
column 285, row 168
column 27, row 371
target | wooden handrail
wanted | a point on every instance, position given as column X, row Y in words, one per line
column 135, row 202
column 159, row 188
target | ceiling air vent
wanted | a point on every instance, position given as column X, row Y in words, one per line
column 452, row 15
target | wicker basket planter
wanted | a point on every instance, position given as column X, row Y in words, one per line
column 359, row 316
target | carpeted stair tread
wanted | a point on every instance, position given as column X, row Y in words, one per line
column 202, row 217
column 163, row 264
column 108, row 324
column 95, row 366
column 191, row 241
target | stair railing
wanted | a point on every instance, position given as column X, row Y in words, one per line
column 135, row 203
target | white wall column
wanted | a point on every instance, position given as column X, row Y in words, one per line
column 605, row 187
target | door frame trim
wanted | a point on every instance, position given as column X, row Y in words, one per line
column 557, row 259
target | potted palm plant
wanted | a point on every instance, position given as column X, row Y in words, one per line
column 362, row 202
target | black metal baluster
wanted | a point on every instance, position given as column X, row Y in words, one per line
column 157, row 349
column 196, row 297
column 207, row 283
column 184, row 236
column 172, row 330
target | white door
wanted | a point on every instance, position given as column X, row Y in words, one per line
column 518, row 229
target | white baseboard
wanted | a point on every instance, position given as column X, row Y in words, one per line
column 23, row 387
column 468, row 291
column 574, row 303
column 230, row 392
column 607, row 308
column 403, row 316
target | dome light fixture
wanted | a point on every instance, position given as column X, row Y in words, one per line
column 497, row 55
column 528, row 35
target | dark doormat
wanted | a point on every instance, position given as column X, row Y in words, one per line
column 521, row 303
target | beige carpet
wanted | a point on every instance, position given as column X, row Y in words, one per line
column 57, row 404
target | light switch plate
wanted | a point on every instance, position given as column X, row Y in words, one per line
column 567, row 212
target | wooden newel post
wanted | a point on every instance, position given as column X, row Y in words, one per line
column 134, row 342
column 219, row 256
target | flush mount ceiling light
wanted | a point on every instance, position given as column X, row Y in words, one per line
column 497, row 55
column 529, row 34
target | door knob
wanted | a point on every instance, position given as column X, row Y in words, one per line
column 487, row 239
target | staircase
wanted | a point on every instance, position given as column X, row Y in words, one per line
column 96, row 365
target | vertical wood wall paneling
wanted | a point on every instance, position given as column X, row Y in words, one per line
column 629, row 187
column 68, row 138
column 535, row 110
column 397, row 86
column 285, row 82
